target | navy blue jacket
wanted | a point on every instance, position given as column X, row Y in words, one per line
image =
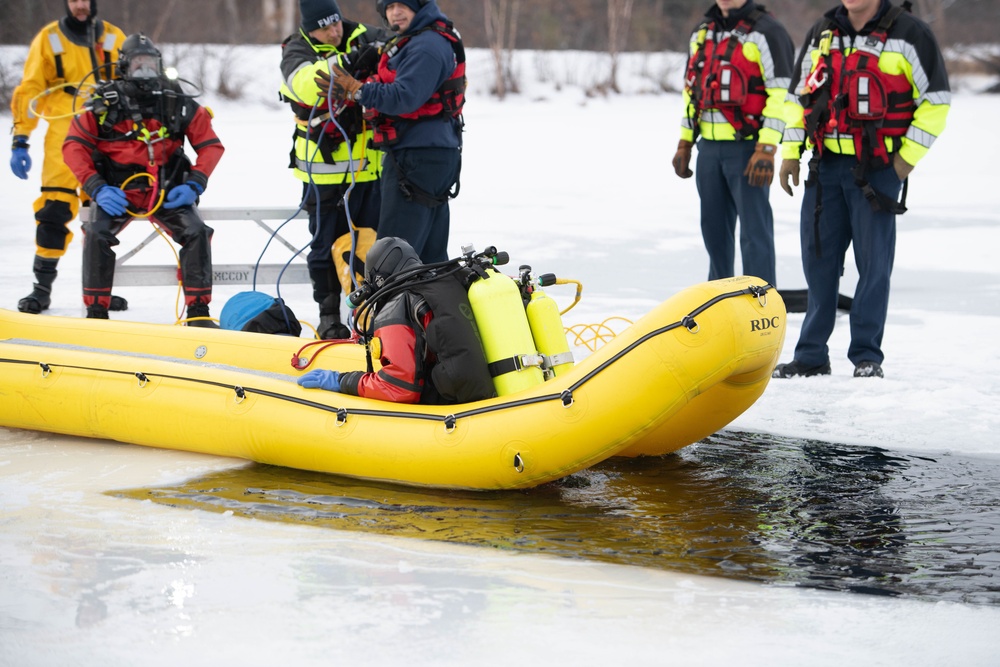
column 422, row 65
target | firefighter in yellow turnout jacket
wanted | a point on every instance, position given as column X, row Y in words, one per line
column 77, row 50
column 734, row 99
column 870, row 95
column 322, row 159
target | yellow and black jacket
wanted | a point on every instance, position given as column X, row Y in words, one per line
column 736, row 83
column 320, row 154
column 871, row 93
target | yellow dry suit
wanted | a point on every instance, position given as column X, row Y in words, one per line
column 59, row 63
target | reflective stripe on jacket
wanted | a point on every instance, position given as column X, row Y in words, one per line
column 319, row 153
column 739, row 69
column 905, row 63
column 54, row 59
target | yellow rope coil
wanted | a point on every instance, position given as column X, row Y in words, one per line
column 595, row 336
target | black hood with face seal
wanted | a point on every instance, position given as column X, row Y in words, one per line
column 387, row 257
column 79, row 31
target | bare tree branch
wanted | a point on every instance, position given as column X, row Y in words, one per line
column 619, row 21
column 500, row 18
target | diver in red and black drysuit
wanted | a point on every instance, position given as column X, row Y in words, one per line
column 137, row 125
column 423, row 335
column 870, row 95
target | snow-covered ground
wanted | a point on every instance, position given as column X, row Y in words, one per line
column 567, row 182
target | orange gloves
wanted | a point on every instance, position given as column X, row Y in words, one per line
column 760, row 168
column 682, row 159
column 345, row 87
column 789, row 168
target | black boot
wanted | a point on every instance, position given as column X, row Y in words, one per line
column 330, row 326
column 198, row 309
column 96, row 311
column 41, row 296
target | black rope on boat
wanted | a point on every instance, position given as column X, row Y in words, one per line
column 564, row 396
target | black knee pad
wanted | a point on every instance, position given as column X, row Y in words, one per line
column 54, row 212
column 52, row 229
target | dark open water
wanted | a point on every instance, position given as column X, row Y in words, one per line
column 737, row 505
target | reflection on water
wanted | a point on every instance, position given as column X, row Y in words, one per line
column 739, row 505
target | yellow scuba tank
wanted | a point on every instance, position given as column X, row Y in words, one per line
column 515, row 364
column 547, row 330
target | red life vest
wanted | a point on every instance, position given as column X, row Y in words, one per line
column 447, row 100
column 851, row 95
column 720, row 77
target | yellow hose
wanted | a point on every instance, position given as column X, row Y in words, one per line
column 34, row 110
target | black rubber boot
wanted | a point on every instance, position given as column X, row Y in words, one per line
column 326, row 292
column 97, row 312
column 330, row 326
column 41, row 296
column 200, row 310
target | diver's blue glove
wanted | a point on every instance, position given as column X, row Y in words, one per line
column 112, row 200
column 20, row 161
column 184, row 194
column 329, row 380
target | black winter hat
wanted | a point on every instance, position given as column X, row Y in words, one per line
column 415, row 5
column 318, row 14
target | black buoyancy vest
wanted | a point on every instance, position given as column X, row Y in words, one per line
column 460, row 374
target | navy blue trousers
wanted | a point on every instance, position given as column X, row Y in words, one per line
column 725, row 195
column 847, row 218
column 328, row 222
column 425, row 227
column 328, row 219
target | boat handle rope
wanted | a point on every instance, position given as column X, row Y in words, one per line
column 566, row 396
column 45, row 369
column 143, row 380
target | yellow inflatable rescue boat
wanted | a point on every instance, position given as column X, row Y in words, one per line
column 686, row 369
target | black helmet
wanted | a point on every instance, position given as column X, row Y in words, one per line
column 139, row 54
column 388, row 256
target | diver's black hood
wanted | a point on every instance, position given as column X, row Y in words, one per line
column 78, row 30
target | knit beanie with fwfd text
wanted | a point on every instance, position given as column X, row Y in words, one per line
column 318, row 14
